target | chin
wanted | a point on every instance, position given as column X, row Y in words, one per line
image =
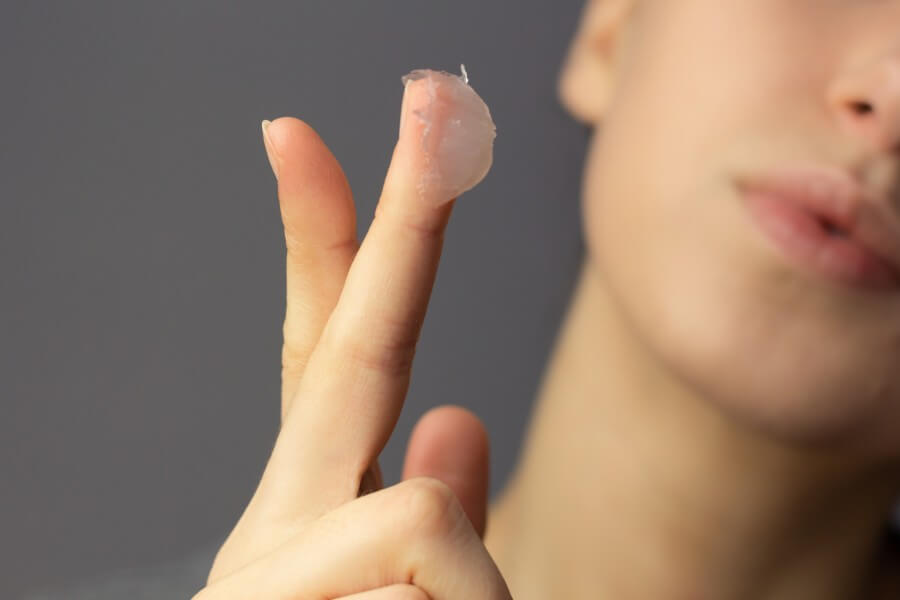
column 787, row 403
column 759, row 347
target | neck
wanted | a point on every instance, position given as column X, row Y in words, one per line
column 630, row 486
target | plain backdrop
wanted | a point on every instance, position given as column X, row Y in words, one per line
column 142, row 255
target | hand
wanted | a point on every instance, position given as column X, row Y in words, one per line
column 353, row 318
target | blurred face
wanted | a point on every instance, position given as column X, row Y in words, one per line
column 708, row 92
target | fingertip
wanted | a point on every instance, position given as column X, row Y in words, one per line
column 308, row 174
column 457, row 417
column 445, row 144
column 454, row 425
column 319, row 220
column 452, row 444
column 284, row 132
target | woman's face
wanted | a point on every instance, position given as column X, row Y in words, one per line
column 709, row 91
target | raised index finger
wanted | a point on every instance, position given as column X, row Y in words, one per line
column 351, row 395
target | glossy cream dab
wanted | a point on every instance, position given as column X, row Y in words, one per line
column 452, row 129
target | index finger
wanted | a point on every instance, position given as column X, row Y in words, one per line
column 353, row 390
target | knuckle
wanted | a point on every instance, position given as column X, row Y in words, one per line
column 292, row 240
column 390, row 355
column 427, row 230
column 426, row 226
column 430, row 507
column 294, row 358
column 346, row 244
column 305, row 252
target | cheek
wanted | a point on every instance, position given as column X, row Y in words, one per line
column 666, row 232
column 711, row 302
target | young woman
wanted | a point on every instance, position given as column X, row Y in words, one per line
column 720, row 417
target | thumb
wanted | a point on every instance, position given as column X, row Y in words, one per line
column 451, row 444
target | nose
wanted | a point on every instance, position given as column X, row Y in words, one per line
column 866, row 102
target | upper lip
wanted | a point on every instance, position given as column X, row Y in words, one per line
column 835, row 196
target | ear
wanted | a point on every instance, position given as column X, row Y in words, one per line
column 589, row 72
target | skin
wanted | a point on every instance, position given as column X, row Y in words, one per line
column 699, row 431
column 717, row 441
column 354, row 312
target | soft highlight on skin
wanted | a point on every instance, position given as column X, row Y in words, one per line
column 729, row 424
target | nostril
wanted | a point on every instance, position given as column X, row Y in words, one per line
column 832, row 229
column 862, row 107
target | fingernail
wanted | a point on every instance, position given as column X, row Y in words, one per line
column 270, row 148
column 403, row 107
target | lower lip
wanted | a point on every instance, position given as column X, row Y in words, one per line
column 800, row 236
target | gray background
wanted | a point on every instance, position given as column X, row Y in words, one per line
column 142, row 257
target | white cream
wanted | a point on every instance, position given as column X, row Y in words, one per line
column 455, row 130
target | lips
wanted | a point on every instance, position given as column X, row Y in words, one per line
column 837, row 202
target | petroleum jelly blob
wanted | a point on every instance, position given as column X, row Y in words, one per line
column 454, row 131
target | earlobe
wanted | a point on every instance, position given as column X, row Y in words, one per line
column 588, row 73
